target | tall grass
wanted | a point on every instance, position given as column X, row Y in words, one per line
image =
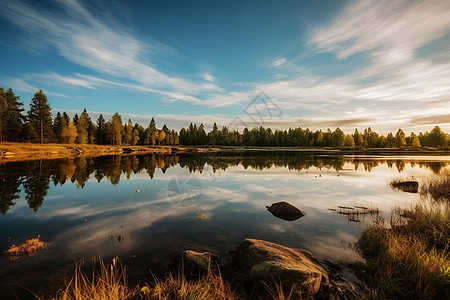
column 408, row 258
column 108, row 282
column 437, row 186
column 177, row 287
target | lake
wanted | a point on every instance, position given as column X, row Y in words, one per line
column 145, row 209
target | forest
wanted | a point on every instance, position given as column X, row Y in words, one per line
column 37, row 125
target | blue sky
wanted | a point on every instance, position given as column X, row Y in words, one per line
column 322, row 64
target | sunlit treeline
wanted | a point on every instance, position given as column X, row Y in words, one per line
column 34, row 178
column 299, row 137
column 38, row 126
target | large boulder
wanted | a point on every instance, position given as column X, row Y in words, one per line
column 285, row 211
column 195, row 264
column 259, row 264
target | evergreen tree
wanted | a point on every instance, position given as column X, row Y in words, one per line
column 40, row 117
column 357, row 137
column 101, row 129
column 57, row 127
column 75, row 120
column 13, row 121
column 151, row 133
column 128, row 132
column 436, row 137
column 3, row 110
column 338, row 138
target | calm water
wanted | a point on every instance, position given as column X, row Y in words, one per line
column 147, row 208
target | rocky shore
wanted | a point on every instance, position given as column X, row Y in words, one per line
column 261, row 268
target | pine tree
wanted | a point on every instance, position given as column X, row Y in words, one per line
column 101, row 129
column 128, row 132
column 357, row 137
column 150, row 133
column 57, row 127
column 3, row 110
column 338, row 138
column 437, row 137
column 13, row 119
column 40, row 117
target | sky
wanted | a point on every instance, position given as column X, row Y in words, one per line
column 312, row 64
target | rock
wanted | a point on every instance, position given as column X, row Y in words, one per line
column 195, row 264
column 257, row 262
column 406, row 186
column 285, row 211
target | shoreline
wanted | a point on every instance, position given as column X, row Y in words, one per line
column 11, row 152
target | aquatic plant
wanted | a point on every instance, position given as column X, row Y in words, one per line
column 30, row 248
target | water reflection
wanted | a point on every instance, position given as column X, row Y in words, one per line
column 37, row 175
column 79, row 204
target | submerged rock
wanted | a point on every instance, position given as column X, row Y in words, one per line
column 285, row 211
column 191, row 263
column 259, row 264
column 406, row 186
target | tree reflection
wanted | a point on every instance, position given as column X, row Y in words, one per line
column 9, row 191
column 35, row 176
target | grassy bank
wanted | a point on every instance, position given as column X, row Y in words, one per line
column 28, row 151
column 408, row 258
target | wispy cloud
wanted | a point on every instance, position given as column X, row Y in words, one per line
column 394, row 29
column 84, row 39
column 209, row 77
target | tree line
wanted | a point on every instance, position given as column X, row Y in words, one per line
column 299, row 137
column 38, row 126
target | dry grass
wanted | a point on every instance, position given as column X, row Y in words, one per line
column 30, row 248
column 177, row 287
column 30, row 151
column 109, row 282
column 437, row 186
column 409, row 259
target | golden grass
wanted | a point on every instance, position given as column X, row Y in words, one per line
column 409, row 259
column 177, row 287
column 109, row 282
column 437, row 186
column 30, row 248
column 30, row 151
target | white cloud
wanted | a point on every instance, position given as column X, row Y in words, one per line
column 82, row 38
column 394, row 29
column 209, row 77
column 278, row 62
